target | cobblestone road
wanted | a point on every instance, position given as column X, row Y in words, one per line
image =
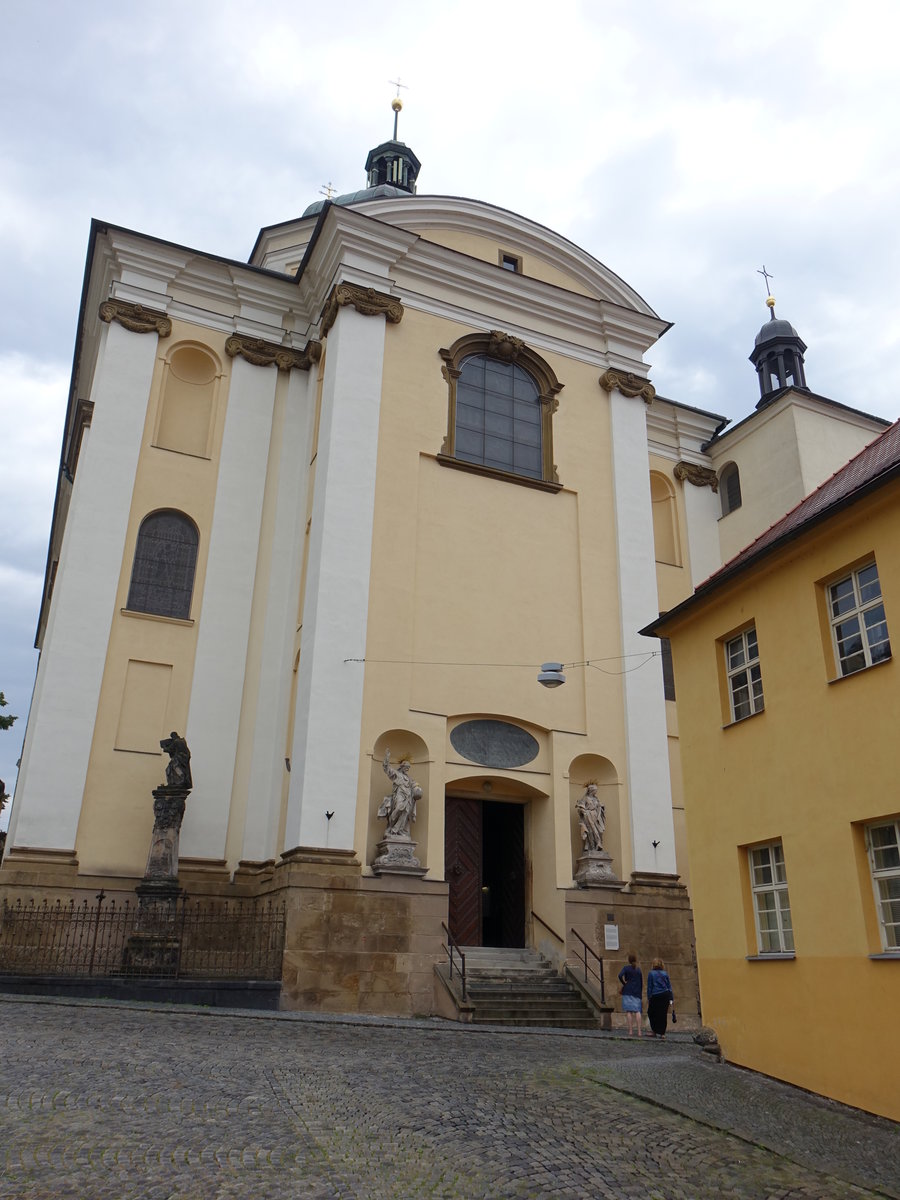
column 114, row 1102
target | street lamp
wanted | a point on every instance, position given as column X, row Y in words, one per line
column 551, row 675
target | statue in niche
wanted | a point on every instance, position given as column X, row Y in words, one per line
column 592, row 818
column 178, row 768
column 399, row 808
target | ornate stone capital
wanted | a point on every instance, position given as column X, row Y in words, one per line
column 366, row 301
column 135, row 317
column 264, row 354
column 628, row 384
column 698, row 476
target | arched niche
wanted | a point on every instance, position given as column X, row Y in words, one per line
column 402, row 744
column 665, row 520
column 592, row 768
column 187, row 400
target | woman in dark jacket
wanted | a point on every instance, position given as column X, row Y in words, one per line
column 632, row 982
column 659, row 998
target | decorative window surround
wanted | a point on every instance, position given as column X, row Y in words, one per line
column 511, row 352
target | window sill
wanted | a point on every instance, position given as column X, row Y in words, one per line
column 145, row 616
column 744, row 720
column 861, row 671
column 543, row 485
column 886, row 956
column 780, row 956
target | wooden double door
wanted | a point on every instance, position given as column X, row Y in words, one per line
column 484, row 859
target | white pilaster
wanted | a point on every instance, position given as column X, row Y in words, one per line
column 267, row 764
column 325, row 754
column 702, row 509
column 224, row 616
column 61, row 725
column 645, row 715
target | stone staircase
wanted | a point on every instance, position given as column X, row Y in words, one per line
column 519, row 987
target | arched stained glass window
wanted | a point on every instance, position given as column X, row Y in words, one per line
column 165, row 558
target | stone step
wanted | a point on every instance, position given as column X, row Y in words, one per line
column 518, row 986
column 534, row 1022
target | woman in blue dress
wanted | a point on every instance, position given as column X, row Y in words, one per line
column 632, row 982
column 659, row 998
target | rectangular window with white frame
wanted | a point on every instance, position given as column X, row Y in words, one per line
column 858, row 625
column 883, row 842
column 771, row 905
column 745, row 690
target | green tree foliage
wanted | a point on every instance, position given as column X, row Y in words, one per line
column 5, row 722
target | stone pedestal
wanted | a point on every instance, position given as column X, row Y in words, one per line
column 594, row 869
column 154, row 947
column 396, row 855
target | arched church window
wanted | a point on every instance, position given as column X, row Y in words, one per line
column 730, row 488
column 165, row 558
column 502, row 400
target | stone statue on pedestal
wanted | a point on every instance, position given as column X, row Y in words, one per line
column 592, row 818
column 178, row 768
column 396, row 850
column 594, row 867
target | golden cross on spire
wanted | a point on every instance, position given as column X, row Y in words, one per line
column 327, row 189
column 765, row 274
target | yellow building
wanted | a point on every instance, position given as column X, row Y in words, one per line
column 787, row 702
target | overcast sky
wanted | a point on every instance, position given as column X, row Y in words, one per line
column 683, row 144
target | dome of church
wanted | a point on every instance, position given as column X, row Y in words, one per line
column 348, row 198
column 775, row 328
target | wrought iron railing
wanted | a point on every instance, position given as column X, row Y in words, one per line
column 588, row 968
column 451, row 949
column 195, row 939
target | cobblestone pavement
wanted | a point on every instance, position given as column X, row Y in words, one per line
column 170, row 1104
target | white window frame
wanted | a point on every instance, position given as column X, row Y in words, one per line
column 744, row 674
column 885, row 868
column 859, row 592
column 768, row 884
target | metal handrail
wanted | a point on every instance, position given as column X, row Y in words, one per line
column 597, row 975
column 452, row 947
column 549, row 928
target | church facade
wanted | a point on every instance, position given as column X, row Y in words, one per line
column 332, row 509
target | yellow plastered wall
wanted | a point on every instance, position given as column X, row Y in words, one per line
column 811, row 770
column 476, row 581
column 490, row 251
column 149, row 662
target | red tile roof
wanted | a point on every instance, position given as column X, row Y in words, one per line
column 875, row 460
column 874, row 465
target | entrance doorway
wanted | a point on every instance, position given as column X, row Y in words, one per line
column 485, row 868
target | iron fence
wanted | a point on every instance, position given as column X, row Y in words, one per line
column 189, row 940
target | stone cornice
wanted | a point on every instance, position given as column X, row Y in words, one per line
column 628, row 384
column 261, row 353
column 697, row 475
column 135, row 317
column 366, row 301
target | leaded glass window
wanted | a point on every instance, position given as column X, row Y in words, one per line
column 498, row 417
column 165, row 558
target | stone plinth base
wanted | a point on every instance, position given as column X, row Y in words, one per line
column 397, row 856
column 594, row 869
column 151, row 954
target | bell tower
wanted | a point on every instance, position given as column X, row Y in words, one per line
column 778, row 356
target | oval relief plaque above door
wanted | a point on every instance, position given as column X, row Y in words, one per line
column 494, row 744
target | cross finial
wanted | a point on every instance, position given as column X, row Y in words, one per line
column 765, row 274
column 327, row 189
column 397, row 103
